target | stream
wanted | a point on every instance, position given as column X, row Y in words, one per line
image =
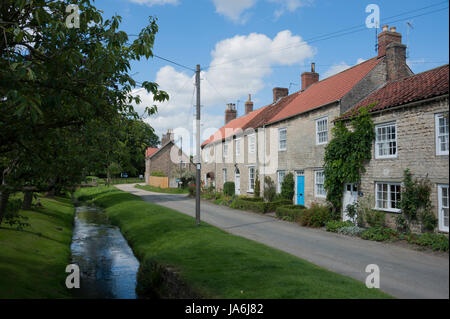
column 108, row 267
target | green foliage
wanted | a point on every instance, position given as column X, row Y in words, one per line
column 269, row 189
column 187, row 178
column 257, row 190
column 335, row 225
column 346, row 154
column 316, row 216
column 415, row 203
column 432, row 240
column 379, row 234
column 271, row 206
column 288, row 187
column 158, row 174
column 351, row 230
column 402, row 224
column 289, row 212
column 229, row 188
column 375, row 218
column 13, row 217
column 257, row 205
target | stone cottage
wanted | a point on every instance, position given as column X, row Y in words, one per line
column 168, row 159
column 411, row 127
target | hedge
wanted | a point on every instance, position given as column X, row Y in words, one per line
column 228, row 188
column 256, row 205
column 289, row 212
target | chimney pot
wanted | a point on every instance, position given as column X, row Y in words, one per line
column 393, row 29
column 249, row 105
column 385, row 27
column 387, row 37
column 309, row 78
column 230, row 112
column 278, row 93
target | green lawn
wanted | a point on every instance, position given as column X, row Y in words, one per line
column 163, row 190
column 217, row 264
column 115, row 181
column 33, row 261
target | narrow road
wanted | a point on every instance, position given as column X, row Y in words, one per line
column 404, row 273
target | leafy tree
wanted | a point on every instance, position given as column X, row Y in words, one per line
column 269, row 189
column 288, row 187
column 346, row 154
column 257, row 189
column 60, row 86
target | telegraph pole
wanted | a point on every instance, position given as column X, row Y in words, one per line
column 198, row 161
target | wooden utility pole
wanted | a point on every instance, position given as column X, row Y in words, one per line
column 198, row 161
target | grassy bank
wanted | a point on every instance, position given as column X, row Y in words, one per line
column 214, row 263
column 163, row 190
column 33, row 261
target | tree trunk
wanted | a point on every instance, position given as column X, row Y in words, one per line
column 108, row 177
column 4, row 196
column 27, row 200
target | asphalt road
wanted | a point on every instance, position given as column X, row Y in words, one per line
column 404, row 273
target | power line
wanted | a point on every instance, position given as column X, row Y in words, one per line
column 339, row 33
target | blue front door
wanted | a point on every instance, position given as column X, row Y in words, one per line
column 300, row 190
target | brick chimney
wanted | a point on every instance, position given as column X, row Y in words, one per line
column 390, row 46
column 278, row 93
column 249, row 105
column 230, row 112
column 309, row 78
column 166, row 138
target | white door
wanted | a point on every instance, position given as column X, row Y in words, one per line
column 350, row 197
column 443, row 207
column 237, row 184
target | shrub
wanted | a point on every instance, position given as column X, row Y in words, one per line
column 158, row 174
column 289, row 212
column 257, row 190
column 251, row 199
column 334, row 226
column 191, row 189
column 429, row 222
column 287, row 187
column 432, row 240
column 375, row 218
column 316, row 216
column 401, row 224
column 351, row 230
column 379, row 234
column 272, row 206
column 228, row 188
column 254, row 206
column 269, row 189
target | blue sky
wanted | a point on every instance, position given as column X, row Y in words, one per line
column 261, row 44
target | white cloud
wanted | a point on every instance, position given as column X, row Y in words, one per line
column 155, row 2
column 239, row 66
column 289, row 5
column 336, row 68
column 233, row 9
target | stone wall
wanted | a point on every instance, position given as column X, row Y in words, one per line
column 416, row 150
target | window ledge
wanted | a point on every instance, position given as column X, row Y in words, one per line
column 395, row 211
column 385, row 157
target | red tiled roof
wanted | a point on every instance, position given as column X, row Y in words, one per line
column 233, row 127
column 326, row 91
column 150, row 151
column 418, row 87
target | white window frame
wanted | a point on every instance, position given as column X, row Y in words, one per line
column 439, row 151
column 442, row 227
column 280, row 148
column 224, row 175
column 251, row 143
column 225, row 148
column 280, row 180
column 316, row 179
column 238, row 146
column 377, row 143
column 388, row 199
column 250, row 188
column 318, row 121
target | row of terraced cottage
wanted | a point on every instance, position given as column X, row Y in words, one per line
column 290, row 134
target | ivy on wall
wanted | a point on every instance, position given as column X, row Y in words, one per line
column 346, row 154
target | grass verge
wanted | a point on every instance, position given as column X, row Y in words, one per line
column 215, row 263
column 163, row 190
column 33, row 261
